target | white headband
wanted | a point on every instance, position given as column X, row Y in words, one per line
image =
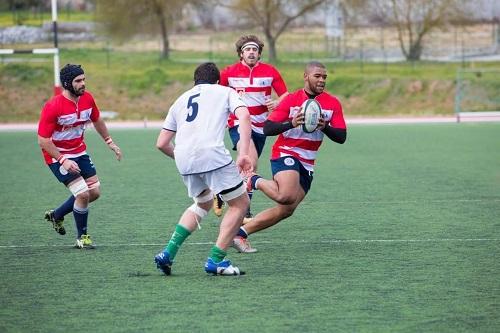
column 250, row 44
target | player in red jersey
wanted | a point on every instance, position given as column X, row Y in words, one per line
column 60, row 135
column 254, row 80
column 294, row 152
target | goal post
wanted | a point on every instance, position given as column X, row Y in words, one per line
column 477, row 93
column 54, row 51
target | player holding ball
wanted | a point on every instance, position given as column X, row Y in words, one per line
column 294, row 152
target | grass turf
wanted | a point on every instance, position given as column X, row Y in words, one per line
column 400, row 232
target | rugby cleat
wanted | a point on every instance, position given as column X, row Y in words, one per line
column 218, row 206
column 223, row 268
column 163, row 262
column 56, row 224
column 242, row 245
column 84, row 243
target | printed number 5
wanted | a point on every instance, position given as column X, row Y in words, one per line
column 194, row 108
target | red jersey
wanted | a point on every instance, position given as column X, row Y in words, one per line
column 295, row 142
column 64, row 121
column 254, row 84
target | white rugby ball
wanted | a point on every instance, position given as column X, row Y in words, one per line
column 312, row 113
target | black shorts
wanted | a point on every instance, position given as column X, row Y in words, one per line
column 292, row 163
column 87, row 169
column 259, row 140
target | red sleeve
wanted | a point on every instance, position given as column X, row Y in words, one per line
column 224, row 78
column 48, row 120
column 94, row 116
column 337, row 120
column 282, row 111
column 278, row 84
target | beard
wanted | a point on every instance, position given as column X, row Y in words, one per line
column 80, row 91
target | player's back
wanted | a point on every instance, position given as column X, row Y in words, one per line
column 199, row 117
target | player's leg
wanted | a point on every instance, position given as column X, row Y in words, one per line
column 289, row 187
column 283, row 189
column 255, row 149
column 272, row 216
column 89, row 192
column 56, row 216
column 230, row 185
column 189, row 221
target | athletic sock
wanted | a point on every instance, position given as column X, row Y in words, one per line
column 65, row 208
column 178, row 237
column 81, row 216
column 242, row 233
column 254, row 180
column 217, row 254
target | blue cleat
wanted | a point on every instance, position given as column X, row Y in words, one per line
column 163, row 262
column 222, row 268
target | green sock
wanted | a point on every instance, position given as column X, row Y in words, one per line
column 178, row 237
column 217, row 255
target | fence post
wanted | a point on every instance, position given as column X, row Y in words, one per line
column 458, row 94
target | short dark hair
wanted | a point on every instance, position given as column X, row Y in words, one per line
column 313, row 64
column 246, row 39
column 206, row 73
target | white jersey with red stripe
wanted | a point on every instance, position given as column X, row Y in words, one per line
column 254, row 85
column 295, row 142
column 64, row 121
column 199, row 118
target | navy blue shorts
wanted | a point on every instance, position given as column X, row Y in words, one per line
column 292, row 163
column 84, row 163
column 259, row 140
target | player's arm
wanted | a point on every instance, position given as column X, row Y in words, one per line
column 245, row 128
column 336, row 129
column 279, row 121
column 46, row 127
column 47, row 145
column 338, row 135
column 100, row 127
column 164, row 142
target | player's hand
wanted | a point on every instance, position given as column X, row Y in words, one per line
column 298, row 119
column 114, row 147
column 245, row 166
column 271, row 105
column 321, row 123
column 71, row 166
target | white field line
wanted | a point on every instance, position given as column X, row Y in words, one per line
column 332, row 241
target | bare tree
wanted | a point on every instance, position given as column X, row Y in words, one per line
column 125, row 18
column 415, row 19
column 272, row 16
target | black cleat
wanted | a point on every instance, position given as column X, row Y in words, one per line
column 57, row 225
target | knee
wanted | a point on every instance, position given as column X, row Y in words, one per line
column 83, row 197
column 285, row 199
column 287, row 212
column 94, row 194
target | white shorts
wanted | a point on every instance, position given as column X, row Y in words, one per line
column 218, row 180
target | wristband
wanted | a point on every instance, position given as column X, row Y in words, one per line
column 108, row 140
column 61, row 159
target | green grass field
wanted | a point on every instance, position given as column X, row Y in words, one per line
column 400, row 232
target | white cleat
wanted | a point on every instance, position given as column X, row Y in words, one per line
column 242, row 245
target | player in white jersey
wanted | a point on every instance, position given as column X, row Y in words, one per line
column 198, row 119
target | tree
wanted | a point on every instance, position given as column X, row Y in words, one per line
column 125, row 18
column 273, row 16
column 415, row 19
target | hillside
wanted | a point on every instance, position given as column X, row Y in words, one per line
column 138, row 85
